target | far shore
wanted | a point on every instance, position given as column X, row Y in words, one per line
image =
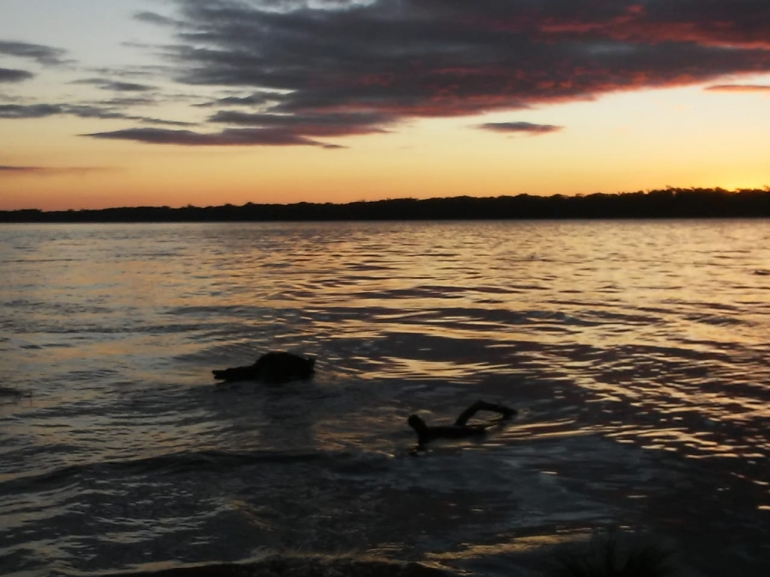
column 654, row 204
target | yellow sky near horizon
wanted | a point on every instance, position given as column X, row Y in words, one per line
column 427, row 158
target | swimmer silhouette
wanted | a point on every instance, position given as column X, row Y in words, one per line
column 272, row 367
column 460, row 429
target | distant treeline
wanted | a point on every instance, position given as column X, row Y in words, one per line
column 668, row 203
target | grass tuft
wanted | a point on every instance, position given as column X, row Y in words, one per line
column 613, row 556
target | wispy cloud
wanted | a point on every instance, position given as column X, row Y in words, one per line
column 18, row 169
column 115, row 85
column 13, row 75
column 256, row 99
column 326, row 124
column 740, row 88
column 154, row 18
column 18, row 111
column 227, row 137
column 525, row 127
column 42, row 54
column 9, row 170
column 26, row 111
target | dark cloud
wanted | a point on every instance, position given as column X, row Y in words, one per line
column 290, row 71
column 116, row 85
column 87, row 111
column 41, row 54
column 326, row 124
column 526, row 127
column 130, row 101
column 45, row 170
column 154, row 18
column 18, row 168
column 144, row 71
column 344, row 67
column 12, row 75
column 18, row 111
column 22, row 111
column 740, row 88
column 255, row 99
column 126, row 87
column 160, row 121
column 227, row 137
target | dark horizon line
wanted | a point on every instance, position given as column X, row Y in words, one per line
column 664, row 203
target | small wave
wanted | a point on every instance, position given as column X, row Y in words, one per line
column 237, row 310
column 11, row 392
column 716, row 320
column 297, row 565
column 169, row 464
column 36, row 260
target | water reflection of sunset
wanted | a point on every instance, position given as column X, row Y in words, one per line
column 635, row 353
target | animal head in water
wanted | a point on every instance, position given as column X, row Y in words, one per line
column 283, row 366
column 417, row 424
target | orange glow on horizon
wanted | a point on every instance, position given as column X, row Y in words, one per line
column 642, row 141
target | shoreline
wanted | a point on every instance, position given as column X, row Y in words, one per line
column 656, row 204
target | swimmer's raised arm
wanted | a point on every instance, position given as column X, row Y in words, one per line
column 460, row 429
column 468, row 413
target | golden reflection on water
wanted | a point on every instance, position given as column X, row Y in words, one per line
column 517, row 545
column 640, row 314
column 604, row 335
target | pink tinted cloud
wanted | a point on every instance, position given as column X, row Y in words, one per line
column 351, row 68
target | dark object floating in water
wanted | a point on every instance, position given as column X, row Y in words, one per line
column 300, row 566
column 460, row 429
column 272, row 367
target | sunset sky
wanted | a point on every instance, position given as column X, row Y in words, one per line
column 171, row 102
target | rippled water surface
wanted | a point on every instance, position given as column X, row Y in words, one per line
column 636, row 353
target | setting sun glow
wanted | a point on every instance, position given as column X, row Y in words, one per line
column 143, row 103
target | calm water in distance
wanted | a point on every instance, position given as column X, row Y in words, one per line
column 637, row 354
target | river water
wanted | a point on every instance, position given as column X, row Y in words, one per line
column 637, row 354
